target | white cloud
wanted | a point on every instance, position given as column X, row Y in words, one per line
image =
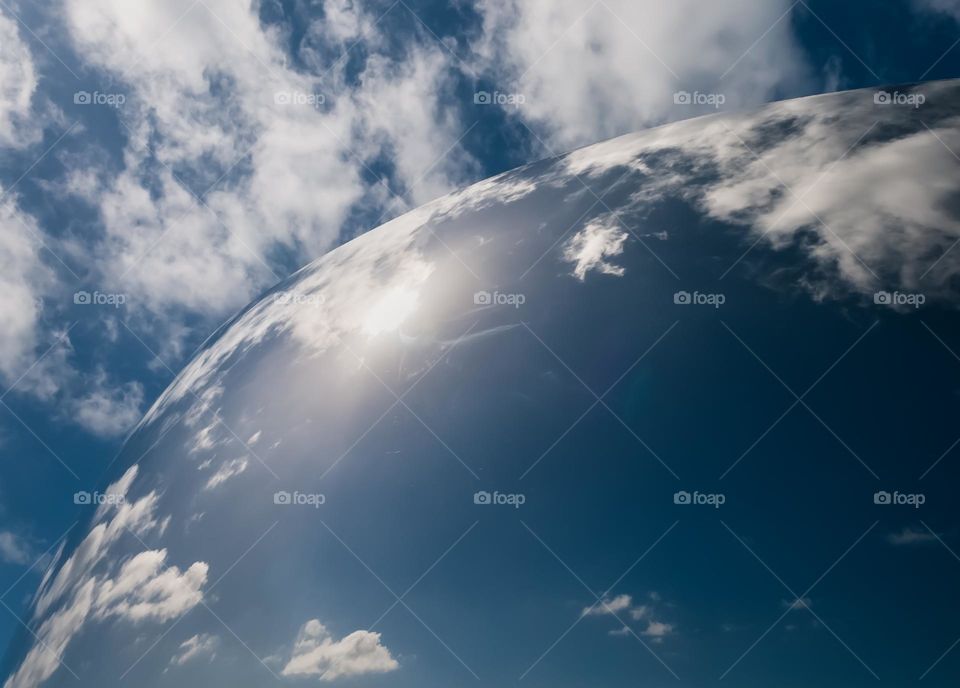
column 24, row 279
column 861, row 207
column 18, row 82
column 14, row 549
column 911, row 536
column 146, row 589
column 196, row 647
column 799, row 603
column 227, row 470
column 316, row 653
column 609, row 606
column 948, row 7
column 657, row 629
column 105, row 410
column 93, row 585
column 624, row 604
column 208, row 99
column 589, row 248
column 589, row 72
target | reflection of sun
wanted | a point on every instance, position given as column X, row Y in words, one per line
column 390, row 311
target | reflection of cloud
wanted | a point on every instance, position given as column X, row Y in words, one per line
column 949, row 7
column 614, row 606
column 609, row 606
column 195, row 647
column 799, row 603
column 657, row 629
column 316, row 653
column 145, row 589
column 91, row 584
column 911, row 536
column 867, row 194
column 589, row 248
column 227, row 470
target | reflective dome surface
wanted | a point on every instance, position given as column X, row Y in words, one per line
column 656, row 409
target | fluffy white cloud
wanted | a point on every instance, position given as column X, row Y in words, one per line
column 107, row 410
column 23, row 281
column 591, row 71
column 196, row 647
column 316, row 653
column 590, row 247
column 94, row 584
column 657, row 630
column 18, row 82
column 217, row 100
column 147, row 589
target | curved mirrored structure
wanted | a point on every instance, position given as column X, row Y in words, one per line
column 678, row 405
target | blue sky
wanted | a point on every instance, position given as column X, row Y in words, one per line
column 172, row 160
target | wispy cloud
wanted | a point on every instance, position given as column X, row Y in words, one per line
column 910, row 536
